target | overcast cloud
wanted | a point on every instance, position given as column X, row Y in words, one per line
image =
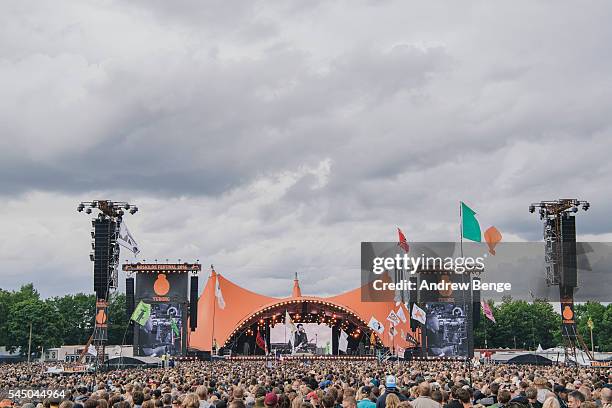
column 273, row 137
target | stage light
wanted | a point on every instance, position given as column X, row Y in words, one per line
column 575, row 209
column 94, row 204
column 532, row 208
column 126, row 206
column 120, row 213
column 81, row 207
column 88, row 211
column 586, row 206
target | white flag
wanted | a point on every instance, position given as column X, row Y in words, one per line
column 393, row 318
column 292, row 329
column 400, row 314
column 418, row 314
column 343, row 341
column 376, row 325
column 126, row 240
column 289, row 323
column 218, row 294
column 400, row 352
column 92, row 350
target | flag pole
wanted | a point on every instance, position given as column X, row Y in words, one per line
column 485, row 330
column 461, row 228
column 212, row 335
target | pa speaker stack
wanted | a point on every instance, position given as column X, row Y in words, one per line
column 193, row 303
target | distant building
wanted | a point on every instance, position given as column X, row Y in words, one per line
column 71, row 354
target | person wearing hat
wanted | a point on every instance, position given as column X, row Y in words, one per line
column 390, row 388
column 271, row 400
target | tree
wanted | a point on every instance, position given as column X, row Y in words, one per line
column 45, row 320
column 77, row 313
column 5, row 302
column 527, row 324
column 602, row 324
column 118, row 321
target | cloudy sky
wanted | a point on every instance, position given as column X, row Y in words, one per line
column 273, row 137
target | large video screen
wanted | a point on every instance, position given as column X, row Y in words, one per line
column 309, row 338
column 162, row 332
column 447, row 330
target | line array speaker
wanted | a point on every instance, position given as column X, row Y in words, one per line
column 129, row 297
column 102, row 255
column 475, row 304
column 193, row 303
column 569, row 276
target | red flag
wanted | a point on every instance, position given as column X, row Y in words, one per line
column 402, row 240
column 487, row 311
column 261, row 343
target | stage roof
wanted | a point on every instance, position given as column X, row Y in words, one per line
column 241, row 305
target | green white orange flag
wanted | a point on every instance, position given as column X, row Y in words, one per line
column 470, row 228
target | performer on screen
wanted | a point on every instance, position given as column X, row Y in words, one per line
column 300, row 340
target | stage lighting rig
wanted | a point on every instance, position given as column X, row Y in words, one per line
column 552, row 209
column 560, row 259
column 107, row 207
column 106, row 227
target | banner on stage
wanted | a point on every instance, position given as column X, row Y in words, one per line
column 343, row 341
column 376, row 325
column 393, row 318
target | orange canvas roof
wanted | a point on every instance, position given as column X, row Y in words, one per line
column 241, row 304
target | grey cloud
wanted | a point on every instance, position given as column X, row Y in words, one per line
column 220, row 119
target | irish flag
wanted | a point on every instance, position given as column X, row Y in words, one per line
column 470, row 228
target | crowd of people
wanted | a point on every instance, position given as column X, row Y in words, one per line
column 316, row 384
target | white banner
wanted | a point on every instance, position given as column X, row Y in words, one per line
column 218, row 294
column 290, row 325
column 343, row 341
column 376, row 325
column 126, row 240
column 418, row 314
column 393, row 318
column 400, row 314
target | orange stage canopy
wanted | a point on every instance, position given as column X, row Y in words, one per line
column 241, row 305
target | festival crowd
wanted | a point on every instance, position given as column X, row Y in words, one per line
column 317, row 384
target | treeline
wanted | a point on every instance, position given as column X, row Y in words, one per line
column 69, row 319
column 527, row 325
column 56, row 321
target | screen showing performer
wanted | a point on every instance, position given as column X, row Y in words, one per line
column 308, row 338
column 162, row 333
column 446, row 330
